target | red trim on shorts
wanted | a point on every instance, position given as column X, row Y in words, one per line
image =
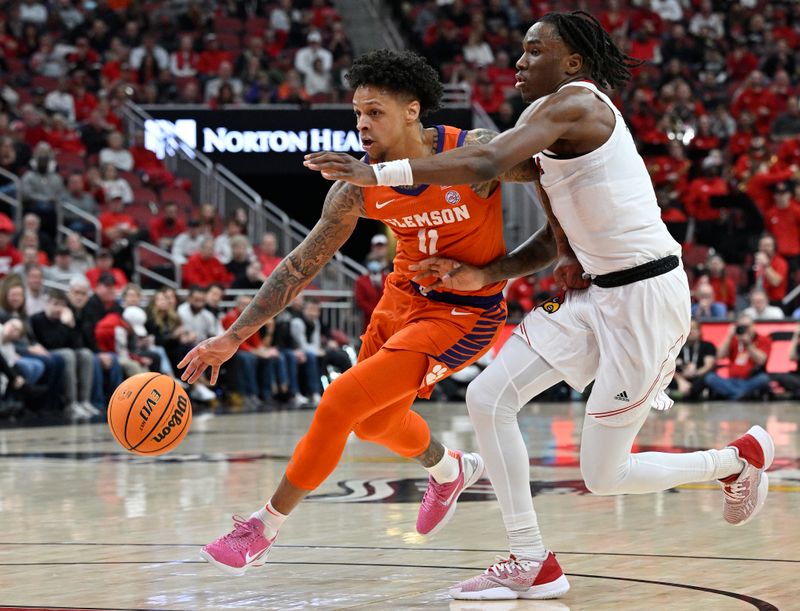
column 628, row 408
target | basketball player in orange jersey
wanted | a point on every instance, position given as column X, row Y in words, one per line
column 415, row 338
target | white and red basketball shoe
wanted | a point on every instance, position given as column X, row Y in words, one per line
column 510, row 578
column 744, row 494
column 439, row 502
column 242, row 548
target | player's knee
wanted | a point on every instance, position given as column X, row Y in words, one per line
column 598, row 482
column 483, row 400
column 372, row 429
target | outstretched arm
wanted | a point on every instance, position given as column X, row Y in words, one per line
column 538, row 128
column 340, row 213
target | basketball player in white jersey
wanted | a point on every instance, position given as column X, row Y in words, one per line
column 621, row 322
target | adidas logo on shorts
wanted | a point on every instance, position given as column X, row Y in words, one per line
column 623, row 396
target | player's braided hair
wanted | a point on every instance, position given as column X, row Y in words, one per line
column 402, row 72
column 584, row 35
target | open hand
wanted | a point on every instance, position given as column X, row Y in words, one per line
column 448, row 274
column 340, row 166
column 209, row 353
column 568, row 273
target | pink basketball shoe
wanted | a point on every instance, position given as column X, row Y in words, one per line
column 510, row 578
column 439, row 502
column 745, row 494
column 244, row 547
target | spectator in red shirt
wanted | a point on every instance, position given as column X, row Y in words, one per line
column 9, row 256
column 203, row 268
column 770, row 270
column 104, row 263
column 740, row 63
column 723, row 285
column 266, row 253
column 212, row 56
column 704, row 139
column 755, row 97
column 253, row 361
column 671, row 170
column 523, row 291
column 166, row 227
column 62, row 137
column 146, row 162
column 782, row 220
column 698, row 200
column 369, row 289
column 748, row 353
column 501, row 72
column 115, row 223
column 739, row 142
column 85, row 101
column 488, row 95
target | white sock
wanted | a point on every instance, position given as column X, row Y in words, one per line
column 726, row 463
column 526, row 543
column 447, row 469
column 272, row 519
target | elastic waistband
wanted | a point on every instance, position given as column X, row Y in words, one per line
column 651, row 269
column 473, row 301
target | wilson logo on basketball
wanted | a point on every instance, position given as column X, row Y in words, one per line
column 150, row 403
column 177, row 418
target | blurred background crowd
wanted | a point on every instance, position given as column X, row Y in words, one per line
column 715, row 112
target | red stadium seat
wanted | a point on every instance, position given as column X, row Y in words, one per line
column 736, row 273
column 134, row 180
column 141, row 213
column 179, row 196
column 15, row 66
column 694, row 254
column 256, row 25
column 70, row 162
column 227, row 25
column 229, row 41
column 45, row 82
column 144, row 196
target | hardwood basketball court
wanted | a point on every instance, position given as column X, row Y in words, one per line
column 87, row 526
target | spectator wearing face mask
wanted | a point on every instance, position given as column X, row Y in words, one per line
column 369, row 289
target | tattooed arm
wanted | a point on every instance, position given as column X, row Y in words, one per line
column 545, row 246
column 524, row 171
column 343, row 206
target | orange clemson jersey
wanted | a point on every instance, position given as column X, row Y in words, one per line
column 446, row 221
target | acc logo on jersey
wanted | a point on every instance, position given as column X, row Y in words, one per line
column 551, row 305
column 452, row 197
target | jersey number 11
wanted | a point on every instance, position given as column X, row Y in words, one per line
column 427, row 241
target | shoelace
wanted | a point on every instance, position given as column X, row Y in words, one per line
column 735, row 491
column 437, row 492
column 242, row 534
column 509, row 565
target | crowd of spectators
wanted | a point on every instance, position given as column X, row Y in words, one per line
column 714, row 111
column 85, row 340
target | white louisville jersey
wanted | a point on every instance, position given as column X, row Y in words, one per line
column 605, row 202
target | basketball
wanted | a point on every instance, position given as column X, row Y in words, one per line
column 149, row 414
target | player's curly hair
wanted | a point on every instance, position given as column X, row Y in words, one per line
column 583, row 34
column 403, row 72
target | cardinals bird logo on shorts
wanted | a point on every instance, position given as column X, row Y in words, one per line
column 551, row 305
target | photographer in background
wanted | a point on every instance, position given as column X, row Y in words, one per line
column 748, row 354
column 696, row 359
